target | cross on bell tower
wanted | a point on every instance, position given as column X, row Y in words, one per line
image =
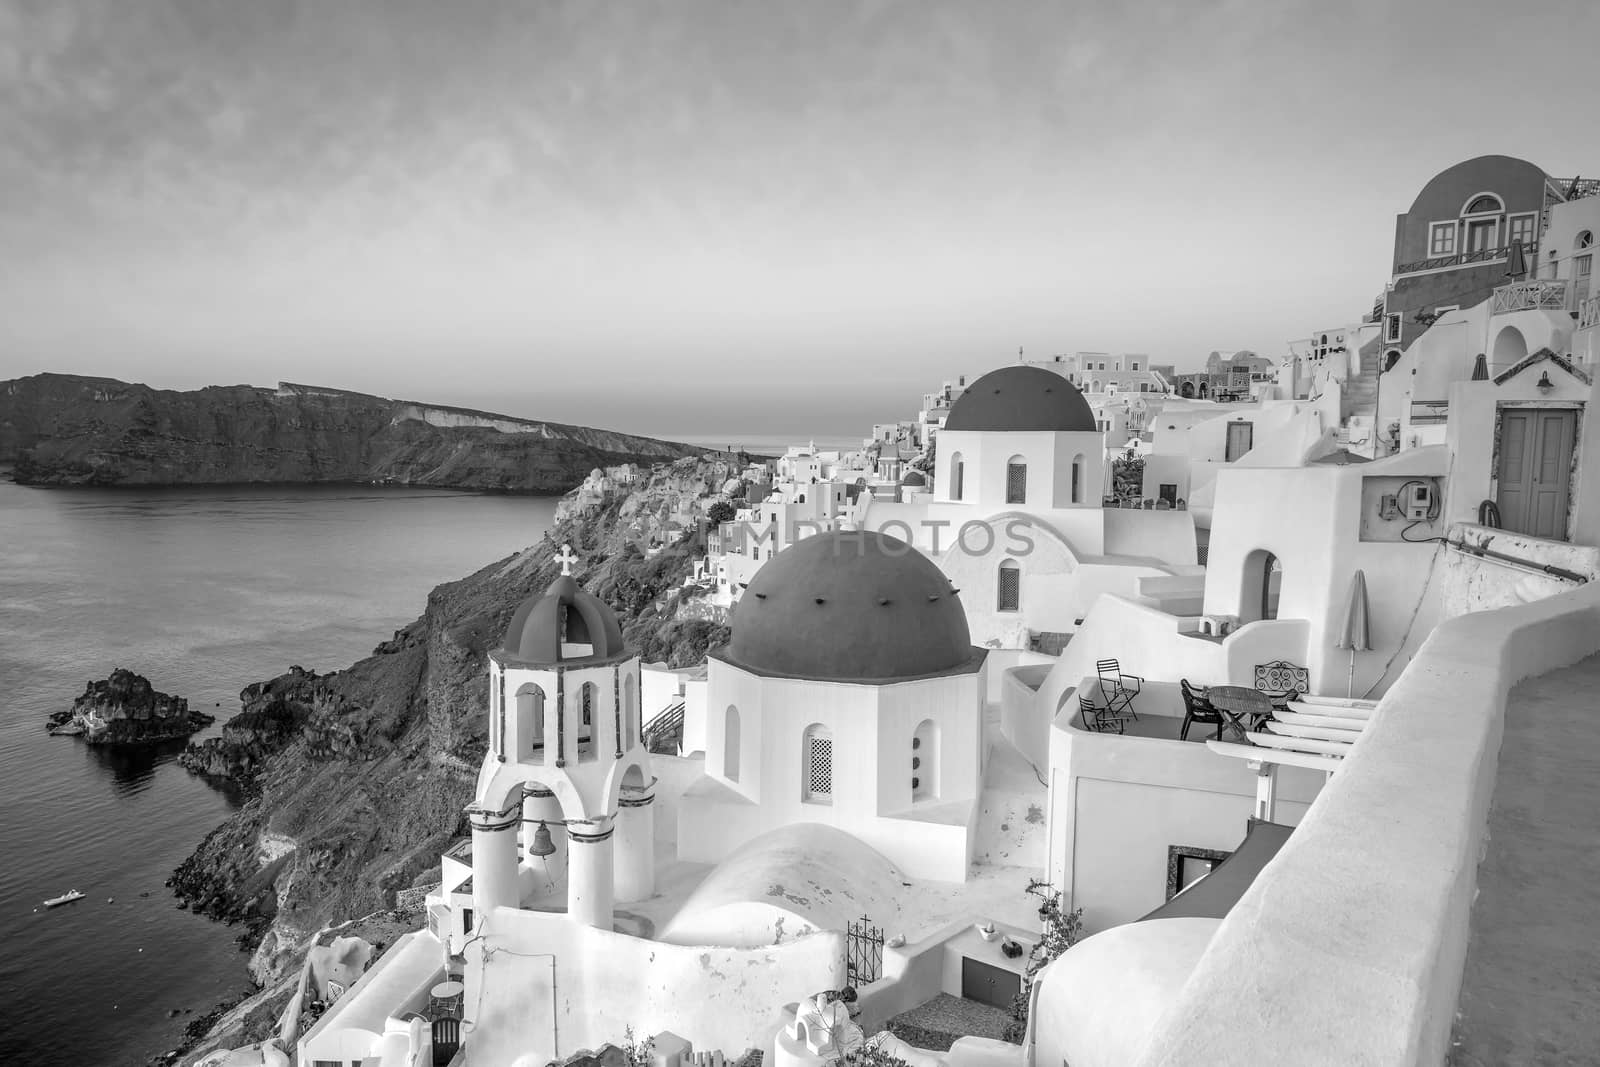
column 566, row 559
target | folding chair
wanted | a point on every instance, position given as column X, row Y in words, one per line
column 1100, row 720
column 1118, row 689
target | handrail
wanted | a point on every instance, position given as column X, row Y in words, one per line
column 1547, row 569
column 1589, row 313
column 1481, row 255
column 1548, row 294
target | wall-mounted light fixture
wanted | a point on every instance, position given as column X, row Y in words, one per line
column 1544, row 384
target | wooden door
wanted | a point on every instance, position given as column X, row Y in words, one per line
column 1481, row 234
column 988, row 984
column 1535, row 471
column 1241, row 435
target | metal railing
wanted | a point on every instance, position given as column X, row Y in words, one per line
column 1589, row 313
column 1482, row 255
column 1549, row 294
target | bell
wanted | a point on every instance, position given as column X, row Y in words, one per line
column 542, row 845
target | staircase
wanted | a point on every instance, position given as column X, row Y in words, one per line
column 1360, row 396
column 664, row 733
column 1359, row 400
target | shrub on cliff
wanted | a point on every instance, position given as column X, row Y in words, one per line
column 680, row 643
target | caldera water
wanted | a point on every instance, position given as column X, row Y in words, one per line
column 203, row 591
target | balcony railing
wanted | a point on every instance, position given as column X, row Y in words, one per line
column 1547, row 295
column 1589, row 313
column 1482, row 255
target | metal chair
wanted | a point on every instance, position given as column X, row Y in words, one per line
column 1118, row 689
column 1101, row 720
column 1197, row 708
column 1282, row 681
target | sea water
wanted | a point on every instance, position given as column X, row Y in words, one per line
column 203, row 591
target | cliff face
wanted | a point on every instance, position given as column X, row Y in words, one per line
column 67, row 430
column 359, row 777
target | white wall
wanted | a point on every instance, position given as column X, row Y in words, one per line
column 1310, row 518
column 539, row 985
column 1117, row 802
column 1365, row 912
column 1049, row 456
column 871, row 727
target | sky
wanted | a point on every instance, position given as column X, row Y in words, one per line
column 682, row 216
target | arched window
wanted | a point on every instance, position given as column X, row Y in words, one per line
column 1077, row 478
column 816, row 768
column 1510, row 348
column 1009, row 583
column 1263, row 581
column 957, row 469
column 630, row 713
column 530, row 723
column 925, row 761
column 1016, row 480
column 1585, row 240
column 588, row 696
column 1482, row 217
column 1390, row 358
column 730, row 744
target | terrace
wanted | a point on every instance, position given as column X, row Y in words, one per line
column 1589, row 313
column 1549, row 294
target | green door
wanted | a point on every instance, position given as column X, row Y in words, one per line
column 1536, row 470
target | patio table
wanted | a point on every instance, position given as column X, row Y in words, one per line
column 1238, row 702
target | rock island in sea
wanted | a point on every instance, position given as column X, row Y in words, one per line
column 125, row 709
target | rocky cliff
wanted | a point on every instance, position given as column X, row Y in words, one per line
column 125, row 709
column 358, row 778
column 59, row 429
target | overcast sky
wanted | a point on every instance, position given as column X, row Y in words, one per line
column 681, row 216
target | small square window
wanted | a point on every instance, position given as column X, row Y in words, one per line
column 1521, row 229
column 1442, row 239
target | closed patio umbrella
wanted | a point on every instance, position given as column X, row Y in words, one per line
column 1356, row 635
column 1516, row 265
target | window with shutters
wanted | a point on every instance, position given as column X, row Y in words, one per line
column 956, row 471
column 817, row 751
column 1016, row 481
column 1010, row 586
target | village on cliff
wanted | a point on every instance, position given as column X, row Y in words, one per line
column 1097, row 715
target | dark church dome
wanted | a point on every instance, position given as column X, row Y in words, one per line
column 850, row 607
column 1022, row 398
column 563, row 615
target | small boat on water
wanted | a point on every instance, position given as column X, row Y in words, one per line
column 65, row 898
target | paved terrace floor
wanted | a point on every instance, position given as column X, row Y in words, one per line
column 1532, row 978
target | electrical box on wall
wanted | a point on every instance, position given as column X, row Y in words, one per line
column 1400, row 508
column 1419, row 502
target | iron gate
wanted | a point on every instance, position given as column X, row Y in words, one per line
column 863, row 946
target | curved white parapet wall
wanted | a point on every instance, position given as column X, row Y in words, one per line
column 1349, row 947
column 1098, row 1003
